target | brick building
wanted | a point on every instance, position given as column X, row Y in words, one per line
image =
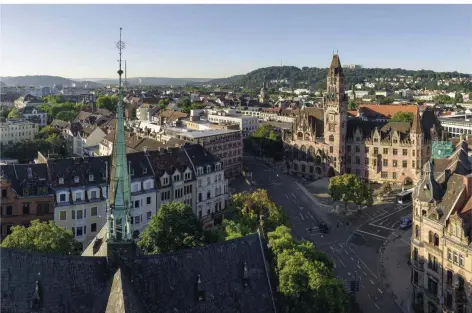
column 26, row 195
column 325, row 142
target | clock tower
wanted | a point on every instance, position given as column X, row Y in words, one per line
column 335, row 117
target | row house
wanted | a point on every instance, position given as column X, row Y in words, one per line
column 441, row 245
column 25, row 195
column 157, row 177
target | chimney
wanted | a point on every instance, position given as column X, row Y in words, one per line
column 467, row 180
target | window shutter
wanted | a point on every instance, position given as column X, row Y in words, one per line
column 73, row 214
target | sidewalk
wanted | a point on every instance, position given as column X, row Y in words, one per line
column 395, row 270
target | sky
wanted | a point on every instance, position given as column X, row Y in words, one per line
column 214, row 41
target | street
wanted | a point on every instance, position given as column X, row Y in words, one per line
column 354, row 250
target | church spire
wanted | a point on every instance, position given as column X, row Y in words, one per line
column 416, row 127
column 119, row 194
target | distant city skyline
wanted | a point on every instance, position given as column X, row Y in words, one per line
column 216, row 41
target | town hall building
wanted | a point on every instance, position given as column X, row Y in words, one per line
column 324, row 141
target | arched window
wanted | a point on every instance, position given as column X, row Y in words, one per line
column 331, row 138
column 417, row 231
column 430, row 237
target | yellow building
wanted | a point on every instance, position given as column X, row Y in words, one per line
column 441, row 246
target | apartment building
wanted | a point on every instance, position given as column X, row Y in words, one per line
column 457, row 125
column 247, row 124
column 14, row 130
column 26, row 195
column 441, row 242
column 35, row 115
column 80, row 193
column 225, row 144
column 212, row 186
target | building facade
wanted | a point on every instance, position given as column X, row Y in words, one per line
column 26, row 195
column 35, row 115
column 325, row 142
column 441, row 242
column 12, row 131
column 225, row 144
column 247, row 124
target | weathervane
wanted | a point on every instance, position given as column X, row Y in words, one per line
column 120, row 45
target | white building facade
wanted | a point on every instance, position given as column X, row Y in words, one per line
column 15, row 130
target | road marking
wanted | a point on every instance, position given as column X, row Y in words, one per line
column 343, row 263
column 293, row 195
column 384, row 216
column 372, row 282
column 365, row 274
column 363, row 287
column 286, row 196
column 369, row 295
column 351, row 249
column 377, row 306
column 371, row 234
column 358, row 266
column 375, row 225
column 341, row 246
column 294, row 201
column 368, row 268
column 301, row 208
column 311, row 215
column 301, row 215
column 379, row 290
column 346, row 252
column 352, row 259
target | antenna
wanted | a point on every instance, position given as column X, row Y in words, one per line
column 120, row 45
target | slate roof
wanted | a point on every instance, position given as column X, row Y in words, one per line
column 428, row 189
column 68, row 284
column 366, row 127
column 233, row 278
column 68, row 168
column 59, row 124
column 29, row 110
column 200, row 156
column 167, row 161
column 18, row 177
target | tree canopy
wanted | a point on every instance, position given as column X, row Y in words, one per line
column 42, row 237
column 174, row 227
column 348, row 188
column 107, row 102
column 403, row 117
column 305, row 277
column 265, row 141
column 14, row 113
column 247, row 208
column 67, row 116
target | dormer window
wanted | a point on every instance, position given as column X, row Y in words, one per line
column 76, row 179
column 132, row 172
column 144, row 170
column 90, row 177
column 176, row 177
column 187, row 176
column 200, row 171
column 208, row 168
column 61, row 181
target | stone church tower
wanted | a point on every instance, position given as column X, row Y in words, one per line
column 335, row 117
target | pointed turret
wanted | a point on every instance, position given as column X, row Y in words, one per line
column 119, row 191
column 335, row 67
column 416, row 127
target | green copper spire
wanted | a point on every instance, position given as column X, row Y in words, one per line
column 119, row 192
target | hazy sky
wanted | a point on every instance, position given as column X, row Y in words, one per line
column 210, row 41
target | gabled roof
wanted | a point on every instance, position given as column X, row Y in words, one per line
column 59, row 124
column 17, row 175
column 69, row 168
column 428, row 189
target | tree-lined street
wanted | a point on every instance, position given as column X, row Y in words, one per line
column 353, row 249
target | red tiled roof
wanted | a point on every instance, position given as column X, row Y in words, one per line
column 389, row 110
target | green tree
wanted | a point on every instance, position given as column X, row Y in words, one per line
column 107, row 102
column 67, row 116
column 48, row 130
column 247, row 208
column 174, row 227
column 403, row 117
column 386, row 100
column 352, row 106
column 14, row 113
column 442, row 99
column 5, row 111
column 459, row 98
column 305, row 277
column 42, row 237
column 163, row 103
column 265, row 141
column 348, row 188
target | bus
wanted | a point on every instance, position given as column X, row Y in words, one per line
column 405, row 196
